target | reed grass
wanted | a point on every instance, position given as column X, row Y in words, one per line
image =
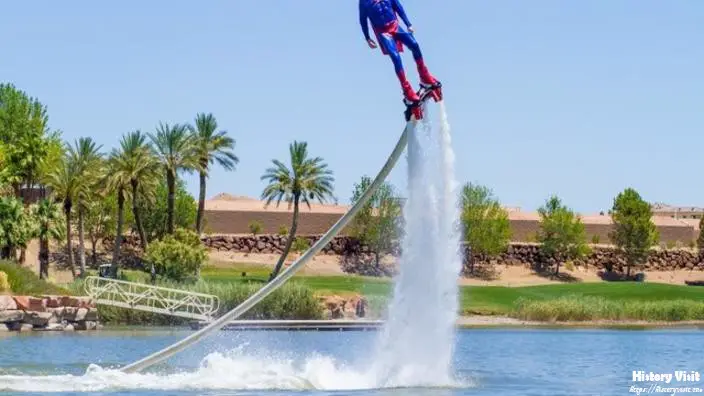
column 575, row 307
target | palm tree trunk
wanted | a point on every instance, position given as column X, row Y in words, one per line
column 137, row 218
column 118, row 234
column 289, row 241
column 44, row 258
column 93, row 241
column 81, row 243
column 171, row 183
column 69, row 258
column 201, row 204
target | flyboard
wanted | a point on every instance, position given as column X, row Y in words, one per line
column 412, row 114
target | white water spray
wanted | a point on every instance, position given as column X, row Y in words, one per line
column 417, row 343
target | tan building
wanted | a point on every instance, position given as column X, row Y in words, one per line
column 226, row 214
column 678, row 212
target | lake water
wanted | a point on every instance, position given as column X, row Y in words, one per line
column 487, row 362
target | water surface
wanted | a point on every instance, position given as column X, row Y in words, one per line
column 486, row 362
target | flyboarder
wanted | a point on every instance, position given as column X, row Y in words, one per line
column 383, row 15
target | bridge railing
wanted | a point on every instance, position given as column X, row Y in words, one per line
column 149, row 298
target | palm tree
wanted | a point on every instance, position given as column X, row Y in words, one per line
column 86, row 154
column 117, row 181
column 175, row 149
column 211, row 146
column 65, row 184
column 307, row 179
column 136, row 165
column 47, row 215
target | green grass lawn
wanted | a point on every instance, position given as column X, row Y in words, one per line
column 485, row 300
column 500, row 300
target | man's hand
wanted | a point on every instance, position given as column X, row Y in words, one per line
column 371, row 43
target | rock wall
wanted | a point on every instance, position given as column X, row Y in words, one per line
column 603, row 258
column 340, row 245
column 57, row 313
column 358, row 258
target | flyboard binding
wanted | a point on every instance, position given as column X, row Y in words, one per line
column 426, row 91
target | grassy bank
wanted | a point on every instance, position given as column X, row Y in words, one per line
column 291, row 301
column 615, row 300
column 23, row 281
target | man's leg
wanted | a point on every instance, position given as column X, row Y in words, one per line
column 409, row 41
column 389, row 47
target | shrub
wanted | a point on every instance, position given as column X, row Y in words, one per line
column 283, row 230
column 4, row 282
column 177, row 257
column 290, row 301
column 595, row 239
column 255, row 227
column 300, row 245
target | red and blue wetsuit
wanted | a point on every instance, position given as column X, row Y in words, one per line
column 392, row 37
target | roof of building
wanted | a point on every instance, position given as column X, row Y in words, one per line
column 663, row 207
column 228, row 202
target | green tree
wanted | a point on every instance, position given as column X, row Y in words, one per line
column 307, row 179
column 176, row 150
column 100, row 220
column 137, row 166
column 485, row 223
column 700, row 239
column 211, row 146
column 48, row 222
column 86, row 154
column 24, row 132
column 156, row 213
column 118, row 183
column 65, row 182
column 15, row 227
column 634, row 232
column 379, row 222
column 561, row 232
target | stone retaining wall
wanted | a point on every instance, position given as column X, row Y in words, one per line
column 57, row 313
column 603, row 257
column 528, row 254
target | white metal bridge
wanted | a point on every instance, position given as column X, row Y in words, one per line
column 156, row 299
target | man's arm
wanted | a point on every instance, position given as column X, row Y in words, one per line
column 401, row 12
column 363, row 21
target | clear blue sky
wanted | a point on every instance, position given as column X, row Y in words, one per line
column 581, row 99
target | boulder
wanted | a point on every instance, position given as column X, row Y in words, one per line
column 9, row 316
column 38, row 319
column 7, row 303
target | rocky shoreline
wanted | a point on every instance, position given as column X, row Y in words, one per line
column 48, row 313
